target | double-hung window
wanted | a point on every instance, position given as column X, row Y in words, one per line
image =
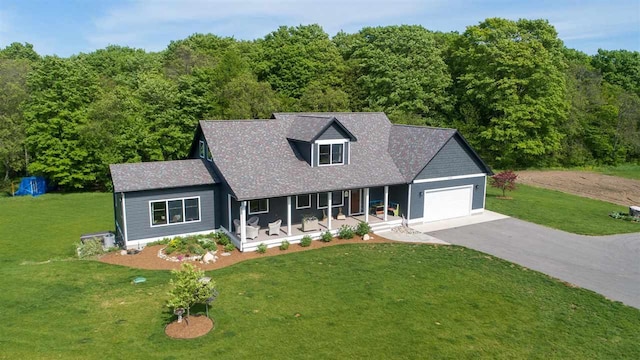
column 331, row 154
column 303, row 201
column 337, row 200
column 260, row 206
column 174, row 211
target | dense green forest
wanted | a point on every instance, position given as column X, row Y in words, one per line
column 511, row 87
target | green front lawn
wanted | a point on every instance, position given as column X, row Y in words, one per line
column 631, row 171
column 378, row 301
column 560, row 210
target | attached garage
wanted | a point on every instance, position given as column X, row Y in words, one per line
column 447, row 203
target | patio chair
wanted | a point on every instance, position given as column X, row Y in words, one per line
column 252, row 232
column 274, row 227
column 253, row 221
column 236, row 224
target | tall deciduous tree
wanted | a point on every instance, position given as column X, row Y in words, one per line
column 60, row 90
column 398, row 69
column 511, row 74
column 292, row 57
column 619, row 67
column 13, row 92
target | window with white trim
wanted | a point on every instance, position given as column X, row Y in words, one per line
column 331, row 154
column 337, row 199
column 260, row 206
column 174, row 211
column 303, row 201
column 201, row 150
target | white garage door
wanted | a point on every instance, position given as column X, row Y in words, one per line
column 447, row 203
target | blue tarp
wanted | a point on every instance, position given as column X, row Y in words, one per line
column 33, row 185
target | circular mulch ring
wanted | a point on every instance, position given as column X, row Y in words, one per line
column 189, row 328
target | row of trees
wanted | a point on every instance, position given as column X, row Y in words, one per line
column 511, row 87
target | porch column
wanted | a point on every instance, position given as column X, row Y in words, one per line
column 386, row 203
column 229, row 212
column 288, row 215
column 409, row 204
column 243, row 224
column 329, row 210
column 366, row 205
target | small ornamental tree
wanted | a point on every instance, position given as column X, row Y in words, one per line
column 189, row 287
column 505, row 180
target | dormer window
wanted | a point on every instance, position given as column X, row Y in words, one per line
column 331, row 154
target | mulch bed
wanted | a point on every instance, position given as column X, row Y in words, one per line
column 148, row 257
column 189, row 328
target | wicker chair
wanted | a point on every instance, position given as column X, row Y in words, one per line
column 252, row 231
column 274, row 227
column 253, row 221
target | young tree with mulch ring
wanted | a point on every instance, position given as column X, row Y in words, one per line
column 504, row 181
column 189, row 287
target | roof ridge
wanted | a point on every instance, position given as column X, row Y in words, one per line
column 424, row 127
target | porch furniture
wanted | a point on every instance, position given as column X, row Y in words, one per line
column 252, row 231
column 310, row 224
column 274, row 227
column 376, row 207
column 253, row 221
column 236, row 224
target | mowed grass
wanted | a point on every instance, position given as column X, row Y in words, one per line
column 560, row 210
column 630, row 171
column 379, row 301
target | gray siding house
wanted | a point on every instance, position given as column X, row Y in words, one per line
column 268, row 175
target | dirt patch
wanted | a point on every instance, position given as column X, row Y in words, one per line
column 189, row 328
column 608, row 188
column 148, row 257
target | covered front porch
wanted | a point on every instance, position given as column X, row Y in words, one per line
column 348, row 207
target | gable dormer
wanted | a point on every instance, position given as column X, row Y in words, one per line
column 321, row 141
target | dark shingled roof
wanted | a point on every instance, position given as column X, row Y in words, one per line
column 413, row 147
column 160, row 175
column 309, row 127
column 257, row 160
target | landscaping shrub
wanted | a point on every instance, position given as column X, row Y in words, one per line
column 207, row 244
column 345, row 232
column 305, row 241
column 196, row 245
column 90, row 248
column 363, row 228
column 326, row 236
column 624, row 216
column 285, row 245
column 262, row 248
column 223, row 239
column 229, row 247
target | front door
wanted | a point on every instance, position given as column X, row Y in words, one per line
column 355, row 202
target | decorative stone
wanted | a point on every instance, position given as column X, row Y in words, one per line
column 209, row 257
column 123, row 252
column 366, row 237
column 226, row 254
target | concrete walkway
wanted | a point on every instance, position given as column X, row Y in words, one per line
column 420, row 230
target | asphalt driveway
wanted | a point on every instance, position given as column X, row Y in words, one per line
column 609, row 265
